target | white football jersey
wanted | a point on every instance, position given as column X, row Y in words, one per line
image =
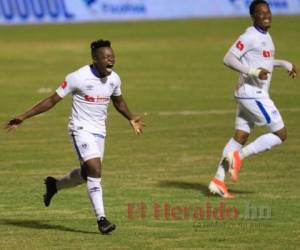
column 255, row 49
column 90, row 98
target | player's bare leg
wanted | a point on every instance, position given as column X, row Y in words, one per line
column 53, row 185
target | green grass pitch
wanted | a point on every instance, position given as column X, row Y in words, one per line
column 172, row 73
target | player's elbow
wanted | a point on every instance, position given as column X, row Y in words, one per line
column 226, row 59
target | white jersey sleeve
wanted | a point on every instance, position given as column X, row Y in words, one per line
column 67, row 86
column 242, row 45
column 117, row 87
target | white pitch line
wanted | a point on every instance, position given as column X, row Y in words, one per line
column 44, row 90
column 214, row 112
column 190, row 112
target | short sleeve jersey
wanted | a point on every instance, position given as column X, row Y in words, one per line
column 90, row 98
column 255, row 49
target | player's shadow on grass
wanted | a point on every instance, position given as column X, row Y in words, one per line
column 37, row 224
column 203, row 188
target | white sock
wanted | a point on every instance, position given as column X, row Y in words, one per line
column 230, row 146
column 71, row 179
column 95, row 193
column 261, row 144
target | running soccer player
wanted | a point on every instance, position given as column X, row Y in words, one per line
column 253, row 56
column 92, row 87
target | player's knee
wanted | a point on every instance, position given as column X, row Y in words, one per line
column 91, row 170
column 282, row 134
column 283, row 137
column 94, row 172
column 241, row 137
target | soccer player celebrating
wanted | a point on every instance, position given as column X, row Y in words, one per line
column 253, row 56
column 92, row 87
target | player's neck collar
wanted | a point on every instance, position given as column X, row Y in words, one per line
column 260, row 29
column 95, row 71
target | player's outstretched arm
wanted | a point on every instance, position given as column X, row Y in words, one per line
column 233, row 62
column 293, row 72
column 136, row 122
column 41, row 107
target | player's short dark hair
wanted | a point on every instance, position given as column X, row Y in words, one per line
column 254, row 4
column 99, row 44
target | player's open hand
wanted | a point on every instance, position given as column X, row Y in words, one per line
column 13, row 124
column 293, row 72
column 137, row 124
column 263, row 74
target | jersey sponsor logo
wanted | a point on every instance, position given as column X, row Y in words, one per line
column 97, row 99
column 266, row 53
column 64, row 84
column 239, row 45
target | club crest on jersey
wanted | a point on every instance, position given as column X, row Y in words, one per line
column 266, row 53
column 84, row 147
column 275, row 113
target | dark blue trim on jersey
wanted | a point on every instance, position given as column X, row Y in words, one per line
column 94, row 71
column 98, row 135
column 76, row 147
column 260, row 30
column 264, row 111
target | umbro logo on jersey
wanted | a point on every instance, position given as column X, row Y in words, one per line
column 89, row 87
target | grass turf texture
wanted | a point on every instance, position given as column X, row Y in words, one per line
column 170, row 66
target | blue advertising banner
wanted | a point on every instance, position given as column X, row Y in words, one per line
column 65, row 11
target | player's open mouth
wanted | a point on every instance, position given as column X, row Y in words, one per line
column 109, row 67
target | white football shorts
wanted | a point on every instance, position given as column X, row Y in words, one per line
column 260, row 112
column 87, row 145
